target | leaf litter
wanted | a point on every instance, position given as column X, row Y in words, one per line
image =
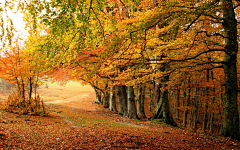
column 79, row 123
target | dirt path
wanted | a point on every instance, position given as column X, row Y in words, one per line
column 76, row 122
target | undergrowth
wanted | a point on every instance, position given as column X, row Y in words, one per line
column 23, row 105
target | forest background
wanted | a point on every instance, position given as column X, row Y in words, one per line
column 177, row 59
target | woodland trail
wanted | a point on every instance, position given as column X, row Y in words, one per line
column 76, row 122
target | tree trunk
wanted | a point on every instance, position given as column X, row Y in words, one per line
column 120, row 106
column 30, row 88
column 211, row 123
column 112, row 99
column 157, row 92
column 140, row 101
column 196, row 112
column 162, row 108
column 106, row 96
column 191, row 117
column 35, row 89
column 106, row 99
column 23, row 91
column 185, row 113
column 122, row 99
column 132, row 111
column 178, row 102
column 205, row 117
column 188, row 95
column 97, row 94
column 151, row 91
column 231, row 114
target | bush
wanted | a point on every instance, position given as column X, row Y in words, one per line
column 17, row 104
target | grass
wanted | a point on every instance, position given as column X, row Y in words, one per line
column 93, row 122
column 158, row 121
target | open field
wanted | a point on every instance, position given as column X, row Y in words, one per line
column 56, row 92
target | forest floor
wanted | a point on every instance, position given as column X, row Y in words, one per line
column 76, row 122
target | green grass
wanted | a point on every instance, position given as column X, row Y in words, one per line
column 117, row 124
column 158, row 121
column 79, row 121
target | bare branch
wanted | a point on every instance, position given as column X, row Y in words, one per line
column 99, row 23
column 202, row 13
column 199, row 54
column 89, row 10
column 193, row 22
column 122, row 3
column 236, row 6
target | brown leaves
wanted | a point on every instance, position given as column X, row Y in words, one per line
column 81, row 124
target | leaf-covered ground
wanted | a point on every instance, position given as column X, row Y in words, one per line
column 76, row 122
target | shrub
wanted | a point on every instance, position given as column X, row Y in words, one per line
column 16, row 103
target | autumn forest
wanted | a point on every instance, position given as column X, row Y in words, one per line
column 174, row 62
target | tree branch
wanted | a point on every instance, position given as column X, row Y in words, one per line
column 199, row 54
column 201, row 13
column 89, row 10
column 236, row 6
column 192, row 22
column 122, row 3
column 99, row 23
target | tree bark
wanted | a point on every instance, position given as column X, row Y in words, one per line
column 196, row 112
column 30, row 88
column 211, row 123
column 151, row 101
column 185, row 114
column 122, row 99
column 112, row 98
column 23, row 91
column 106, row 96
column 188, row 96
column 178, row 102
column 140, row 101
column 205, row 117
column 97, row 94
column 132, row 111
column 231, row 114
column 191, row 116
column 157, row 92
column 162, row 108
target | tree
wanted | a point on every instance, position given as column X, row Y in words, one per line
column 231, row 114
column 24, row 71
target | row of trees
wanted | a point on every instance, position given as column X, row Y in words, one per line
column 179, row 56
